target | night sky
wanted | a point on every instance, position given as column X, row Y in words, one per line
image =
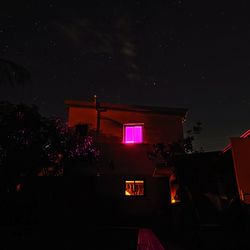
column 188, row 54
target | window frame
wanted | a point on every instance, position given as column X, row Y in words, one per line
column 134, row 182
column 133, row 125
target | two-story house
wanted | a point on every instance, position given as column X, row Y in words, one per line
column 125, row 134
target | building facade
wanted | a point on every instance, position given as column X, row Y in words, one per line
column 125, row 134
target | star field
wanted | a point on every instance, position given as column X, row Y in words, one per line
column 175, row 53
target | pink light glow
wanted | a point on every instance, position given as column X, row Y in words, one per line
column 244, row 135
column 133, row 134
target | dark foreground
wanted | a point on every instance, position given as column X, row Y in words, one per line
column 77, row 235
column 35, row 220
column 48, row 237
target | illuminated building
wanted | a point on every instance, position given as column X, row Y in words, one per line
column 125, row 134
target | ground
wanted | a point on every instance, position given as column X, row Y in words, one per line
column 43, row 221
column 72, row 235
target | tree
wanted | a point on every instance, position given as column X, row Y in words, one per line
column 31, row 144
column 166, row 154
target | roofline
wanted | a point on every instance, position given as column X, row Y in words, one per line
column 124, row 107
column 246, row 134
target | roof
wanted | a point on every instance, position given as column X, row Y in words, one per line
column 244, row 135
column 124, row 107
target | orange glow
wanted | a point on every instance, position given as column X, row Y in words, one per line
column 175, row 201
column 134, row 188
column 174, row 188
column 127, row 193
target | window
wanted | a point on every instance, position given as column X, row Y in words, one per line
column 134, row 188
column 132, row 133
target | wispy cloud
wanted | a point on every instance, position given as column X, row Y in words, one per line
column 113, row 39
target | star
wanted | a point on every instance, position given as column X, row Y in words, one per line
column 154, row 84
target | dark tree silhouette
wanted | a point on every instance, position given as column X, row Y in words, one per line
column 13, row 73
column 31, row 144
column 168, row 153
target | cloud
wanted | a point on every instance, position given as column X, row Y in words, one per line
column 107, row 38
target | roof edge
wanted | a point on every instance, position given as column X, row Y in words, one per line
column 125, row 107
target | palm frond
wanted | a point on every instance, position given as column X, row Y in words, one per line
column 13, row 74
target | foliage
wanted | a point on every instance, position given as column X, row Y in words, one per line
column 188, row 140
column 165, row 154
column 31, row 144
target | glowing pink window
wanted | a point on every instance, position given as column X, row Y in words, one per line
column 132, row 133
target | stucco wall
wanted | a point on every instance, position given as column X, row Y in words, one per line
column 117, row 157
column 157, row 127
